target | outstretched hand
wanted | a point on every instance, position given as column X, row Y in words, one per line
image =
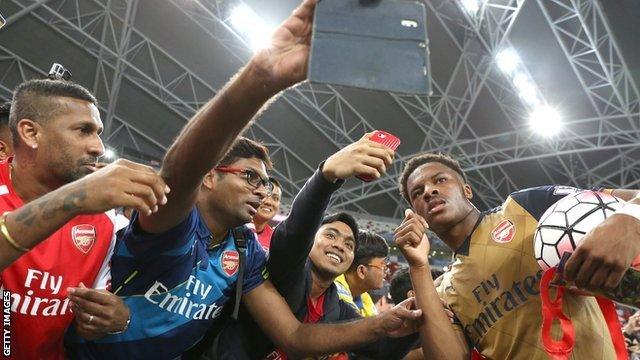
column 362, row 158
column 402, row 319
column 286, row 59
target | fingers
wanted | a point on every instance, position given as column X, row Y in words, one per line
column 133, row 185
column 593, row 271
column 381, row 152
column 91, row 321
column 305, row 9
column 142, row 198
column 407, row 314
column 92, row 295
column 586, row 272
column 375, row 163
column 573, row 265
column 147, row 176
column 613, row 279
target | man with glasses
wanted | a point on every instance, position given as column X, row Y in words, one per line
column 179, row 269
column 366, row 273
column 307, row 253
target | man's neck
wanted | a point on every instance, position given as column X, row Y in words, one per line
column 217, row 226
column 454, row 237
column 319, row 285
column 354, row 284
column 26, row 181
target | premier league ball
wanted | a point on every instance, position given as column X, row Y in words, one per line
column 564, row 224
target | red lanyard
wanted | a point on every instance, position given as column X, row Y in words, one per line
column 552, row 309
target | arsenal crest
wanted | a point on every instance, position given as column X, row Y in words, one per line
column 83, row 237
column 230, row 261
column 504, row 232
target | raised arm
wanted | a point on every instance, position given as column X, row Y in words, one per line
column 207, row 137
column 439, row 339
column 293, row 238
column 122, row 183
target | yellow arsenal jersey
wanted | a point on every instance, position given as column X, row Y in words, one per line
column 493, row 286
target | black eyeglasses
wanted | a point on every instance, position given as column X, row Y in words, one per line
column 384, row 267
column 253, row 178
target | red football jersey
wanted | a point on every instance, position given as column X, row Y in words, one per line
column 35, row 285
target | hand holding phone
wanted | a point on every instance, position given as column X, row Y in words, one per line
column 386, row 139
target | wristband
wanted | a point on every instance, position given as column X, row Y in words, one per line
column 7, row 236
column 629, row 209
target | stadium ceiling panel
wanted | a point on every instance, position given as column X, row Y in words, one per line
column 153, row 63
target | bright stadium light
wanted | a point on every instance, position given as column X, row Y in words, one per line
column 109, row 154
column 471, row 6
column 546, row 121
column 251, row 26
column 508, row 61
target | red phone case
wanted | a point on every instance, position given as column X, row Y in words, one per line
column 386, row 139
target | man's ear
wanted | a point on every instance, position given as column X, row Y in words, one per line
column 29, row 132
column 468, row 193
column 210, row 180
column 411, row 293
column 361, row 271
column 5, row 150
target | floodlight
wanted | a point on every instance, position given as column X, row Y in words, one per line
column 251, row 26
column 109, row 154
column 471, row 6
column 508, row 60
column 546, row 121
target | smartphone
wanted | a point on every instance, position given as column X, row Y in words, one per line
column 386, row 139
column 371, row 44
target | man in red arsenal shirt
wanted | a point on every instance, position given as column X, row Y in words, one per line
column 54, row 231
column 266, row 212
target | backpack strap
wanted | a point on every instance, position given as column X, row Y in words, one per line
column 240, row 239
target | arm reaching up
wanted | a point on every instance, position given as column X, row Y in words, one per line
column 213, row 129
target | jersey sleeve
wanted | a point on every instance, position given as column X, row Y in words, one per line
column 176, row 241
column 256, row 268
column 537, row 200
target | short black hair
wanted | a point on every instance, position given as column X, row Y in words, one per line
column 419, row 160
column 343, row 217
column 35, row 100
column 5, row 110
column 244, row 148
column 400, row 285
column 369, row 245
column 275, row 182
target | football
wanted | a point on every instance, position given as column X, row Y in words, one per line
column 564, row 224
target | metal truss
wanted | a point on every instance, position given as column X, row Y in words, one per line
column 444, row 115
column 321, row 105
column 583, row 32
column 15, row 70
column 126, row 57
column 97, row 26
column 560, row 158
